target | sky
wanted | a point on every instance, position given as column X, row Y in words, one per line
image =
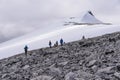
column 19, row 17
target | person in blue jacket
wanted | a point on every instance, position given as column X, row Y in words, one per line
column 50, row 44
column 26, row 49
column 61, row 42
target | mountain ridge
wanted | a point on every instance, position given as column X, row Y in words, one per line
column 68, row 33
column 89, row 59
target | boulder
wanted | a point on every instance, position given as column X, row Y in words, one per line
column 92, row 63
column 106, row 70
column 70, row 76
column 26, row 66
column 94, row 68
column 117, row 75
column 42, row 77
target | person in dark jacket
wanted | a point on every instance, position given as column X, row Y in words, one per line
column 50, row 44
column 61, row 42
column 26, row 49
column 83, row 37
column 56, row 43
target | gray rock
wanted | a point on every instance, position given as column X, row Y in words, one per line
column 26, row 66
column 117, row 75
column 63, row 63
column 94, row 68
column 107, row 70
column 92, row 63
column 4, row 75
column 42, row 77
column 70, row 76
column 84, row 75
column 55, row 70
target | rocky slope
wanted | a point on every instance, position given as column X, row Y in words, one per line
column 95, row 58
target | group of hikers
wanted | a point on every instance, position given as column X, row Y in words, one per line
column 50, row 45
column 56, row 44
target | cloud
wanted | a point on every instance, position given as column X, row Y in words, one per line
column 106, row 6
column 107, row 10
column 18, row 17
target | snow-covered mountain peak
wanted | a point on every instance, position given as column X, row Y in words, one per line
column 84, row 18
column 89, row 17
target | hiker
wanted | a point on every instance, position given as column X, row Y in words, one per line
column 61, row 42
column 26, row 49
column 83, row 37
column 50, row 44
column 56, row 43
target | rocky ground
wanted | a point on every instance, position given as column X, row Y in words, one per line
column 95, row 58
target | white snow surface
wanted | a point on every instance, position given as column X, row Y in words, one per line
column 38, row 40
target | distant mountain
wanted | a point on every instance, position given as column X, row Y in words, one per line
column 85, row 18
column 90, row 18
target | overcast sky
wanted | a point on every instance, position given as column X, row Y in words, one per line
column 18, row 17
